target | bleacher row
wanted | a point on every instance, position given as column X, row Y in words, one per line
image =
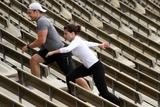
column 132, row 64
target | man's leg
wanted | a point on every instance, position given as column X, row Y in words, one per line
column 34, row 64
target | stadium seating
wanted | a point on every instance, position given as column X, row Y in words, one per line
column 52, row 92
column 152, row 16
column 124, row 18
column 152, row 6
column 6, row 101
column 21, row 93
column 132, row 63
column 141, row 18
column 7, row 70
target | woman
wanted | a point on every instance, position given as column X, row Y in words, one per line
column 90, row 63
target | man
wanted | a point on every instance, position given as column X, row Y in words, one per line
column 48, row 40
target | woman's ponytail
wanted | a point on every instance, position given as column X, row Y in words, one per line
column 73, row 28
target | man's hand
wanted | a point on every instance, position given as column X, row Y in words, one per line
column 24, row 49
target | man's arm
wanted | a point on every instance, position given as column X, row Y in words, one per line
column 42, row 35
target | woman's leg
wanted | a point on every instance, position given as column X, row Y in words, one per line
column 67, row 65
column 83, row 83
column 81, row 71
column 99, row 79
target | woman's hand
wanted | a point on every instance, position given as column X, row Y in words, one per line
column 50, row 53
column 104, row 45
column 53, row 52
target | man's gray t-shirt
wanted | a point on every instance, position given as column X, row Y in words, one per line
column 53, row 40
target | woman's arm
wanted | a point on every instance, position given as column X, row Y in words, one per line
column 67, row 49
column 53, row 52
column 91, row 44
column 102, row 45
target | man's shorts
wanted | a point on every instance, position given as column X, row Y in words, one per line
column 64, row 60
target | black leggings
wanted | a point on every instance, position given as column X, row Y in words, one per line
column 97, row 71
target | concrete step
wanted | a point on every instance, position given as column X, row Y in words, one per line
column 6, row 69
column 15, row 97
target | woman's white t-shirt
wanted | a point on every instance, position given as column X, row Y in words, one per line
column 81, row 49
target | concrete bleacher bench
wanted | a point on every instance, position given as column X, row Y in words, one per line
column 154, row 38
column 89, row 97
column 53, row 93
column 139, row 68
column 17, row 18
column 95, row 22
column 7, row 1
column 136, row 43
column 83, row 94
column 8, row 102
column 150, row 5
column 65, row 13
column 140, row 25
column 23, row 93
column 13, row 30
column 126, row 30
column 19, row 8
column 27, row 37
column 17, row 42
column 153, row 16
column 3, row 23
column 124, row 18
column 141, row 73
column 139, row 8
column 7, row 70
column 152, row 44
column 101, row 14
column 145, row 21
column 122, row 88
column 53, row 5
column 79, row 9
column 115, row 3
column 137, row 84
column 76, row 9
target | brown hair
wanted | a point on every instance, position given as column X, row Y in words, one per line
column 73, row 28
